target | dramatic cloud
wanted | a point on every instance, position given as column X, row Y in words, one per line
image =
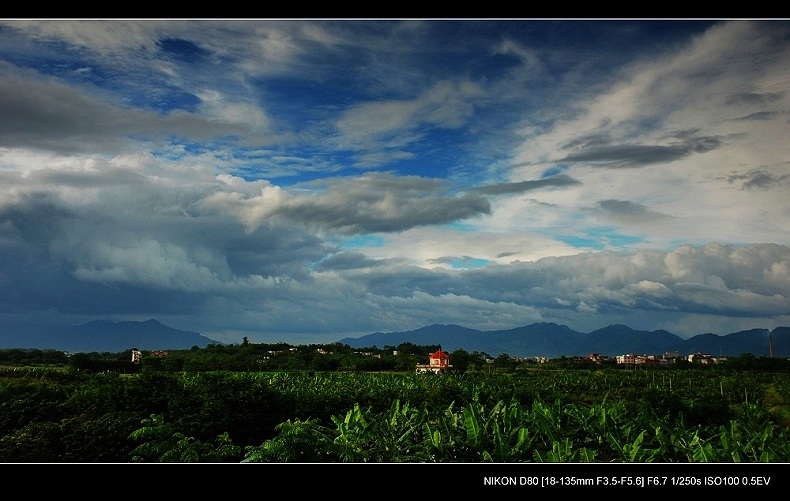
column 310, row 180
column 520, row 187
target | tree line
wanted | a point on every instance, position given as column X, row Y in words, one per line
column 251, row 357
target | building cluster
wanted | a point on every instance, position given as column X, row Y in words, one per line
column 628, row 359
column 137, row 355
column 666, row 358
column 439, row 361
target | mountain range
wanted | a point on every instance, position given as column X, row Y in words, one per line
column 553, row 340
column 534, row 340
column 102, row 336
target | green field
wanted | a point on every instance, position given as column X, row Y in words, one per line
column 541, row 414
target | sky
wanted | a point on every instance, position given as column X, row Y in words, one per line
column 309, row 180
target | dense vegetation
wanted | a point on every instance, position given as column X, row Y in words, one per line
column 278, row 403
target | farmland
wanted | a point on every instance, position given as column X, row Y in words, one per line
column 539, row 414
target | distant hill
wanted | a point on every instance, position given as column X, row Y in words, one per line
column 539, row 339
column 553, row 340
column 102, row 336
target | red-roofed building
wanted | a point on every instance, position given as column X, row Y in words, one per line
column 438, row 362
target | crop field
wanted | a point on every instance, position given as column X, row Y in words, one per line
column 698, row 415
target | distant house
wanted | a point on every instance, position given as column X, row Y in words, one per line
column 704, row 358
column 438, row 362
column 699, row 357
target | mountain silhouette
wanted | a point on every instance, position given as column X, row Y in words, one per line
column 553, row 340
column 102, row 336
column 535, row 340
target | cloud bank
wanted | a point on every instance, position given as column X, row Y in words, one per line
column 306, row 181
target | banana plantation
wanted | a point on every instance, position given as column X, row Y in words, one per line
column 546, row 414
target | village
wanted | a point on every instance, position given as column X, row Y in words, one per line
column 439, row 361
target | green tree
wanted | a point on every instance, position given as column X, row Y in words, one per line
column 162, row 444
column 503, row 361
column 460, row 360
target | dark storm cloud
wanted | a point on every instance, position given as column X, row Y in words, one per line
column 696, row 142
column 27, row 226
column 133, row 247
column 598, row 151
column 761, row 115
column 627, row 211
column 107, row 177
column 523, row 186
column 380, row 202
column 758, row 179
column 754, row 98
column 630, row 155
column 402, row 281
column 55, row 117
column 348, row 260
